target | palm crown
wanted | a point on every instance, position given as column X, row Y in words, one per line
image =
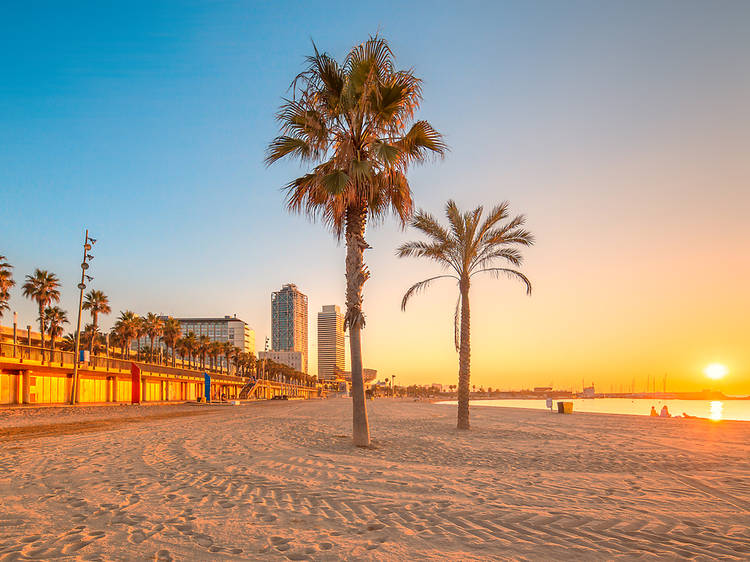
column 350, row 121
column 44, row 288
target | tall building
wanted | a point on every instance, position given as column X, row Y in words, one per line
column 330, row 342
column 289, row 321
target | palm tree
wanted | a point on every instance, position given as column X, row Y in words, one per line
column 6, row 284
column 170, row 334
column 68, row 343
column 204, row 342
column 55, row 317
column 96, row 303
column 349, row 122
column 44, row 288
column 228, row 351
column 127, row 328
column 467, row 248
column 153, row 326
column 189, row 346
column 214, row 350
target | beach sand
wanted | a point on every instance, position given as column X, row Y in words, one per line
column 281, row 480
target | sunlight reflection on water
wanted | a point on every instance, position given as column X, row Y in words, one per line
column 716, row 410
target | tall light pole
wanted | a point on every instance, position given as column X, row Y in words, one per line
column 87, row 244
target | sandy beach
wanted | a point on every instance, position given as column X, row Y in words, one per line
column 280, row 480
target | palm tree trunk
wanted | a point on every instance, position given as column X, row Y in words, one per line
column 41, row 328
column 464, row 358
column 93, row 334
column 356, row 275
column 151, row 351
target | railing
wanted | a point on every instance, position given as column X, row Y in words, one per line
column 61, row 358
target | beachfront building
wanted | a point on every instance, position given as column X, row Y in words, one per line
column 330, row 342
column 368, row 375
column 291, row 358
column 227, row 329
column 289, row 322
column 219, row 329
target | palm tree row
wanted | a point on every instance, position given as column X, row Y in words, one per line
column 44, row 288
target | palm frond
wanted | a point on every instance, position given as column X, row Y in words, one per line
column 510, row 273
column 420, row 141
column 421, row 286
column 285, row 145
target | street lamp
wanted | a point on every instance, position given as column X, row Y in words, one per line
column 88, row 242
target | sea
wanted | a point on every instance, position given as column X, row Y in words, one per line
column 716, row 410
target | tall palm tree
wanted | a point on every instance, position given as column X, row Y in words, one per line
column 6, row 284
column 170, row 334
column 96, row 302
column 153, row 326
column 127, row 328
column 350, row 123
column 468, row 247
column 55, row 317
column 44, row 288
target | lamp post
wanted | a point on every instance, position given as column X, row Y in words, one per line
column 15, row 333
column 87, row 244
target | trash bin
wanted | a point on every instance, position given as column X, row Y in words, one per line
column 565, row 407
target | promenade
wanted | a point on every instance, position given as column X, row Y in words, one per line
column 280, row 480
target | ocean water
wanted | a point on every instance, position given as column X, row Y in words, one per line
column 710, row 409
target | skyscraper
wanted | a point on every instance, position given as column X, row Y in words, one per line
column 289, row 321
column 330, row 342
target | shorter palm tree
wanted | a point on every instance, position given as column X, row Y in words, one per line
column 96, row 302
column 204, row 343
column 55, row 317
column 214, row 350
column 127, row 328
column 6, row 284
column 153, row 326
column 467, row 248
column 170, row 334
column 44, row 288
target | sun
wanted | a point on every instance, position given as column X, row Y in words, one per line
column 716, row 371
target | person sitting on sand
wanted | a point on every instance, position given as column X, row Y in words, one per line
column 653, row 412
column 665, row 412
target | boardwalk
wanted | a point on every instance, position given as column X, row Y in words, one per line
column 278, row 480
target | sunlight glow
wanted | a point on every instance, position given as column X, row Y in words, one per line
column 716, row 371
column 716, row 409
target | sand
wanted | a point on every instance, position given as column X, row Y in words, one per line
column 280, row 480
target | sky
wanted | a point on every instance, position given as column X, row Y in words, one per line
column 620, row 129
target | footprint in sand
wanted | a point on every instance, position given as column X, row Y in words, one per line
column 163, row 556
column 325, row 546
column 137, row 536
column 375, row 526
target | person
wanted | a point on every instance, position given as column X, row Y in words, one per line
column 665, row 412
column 653, row 412
column 549, row 404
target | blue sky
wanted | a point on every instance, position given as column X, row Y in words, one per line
column 617, row 127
